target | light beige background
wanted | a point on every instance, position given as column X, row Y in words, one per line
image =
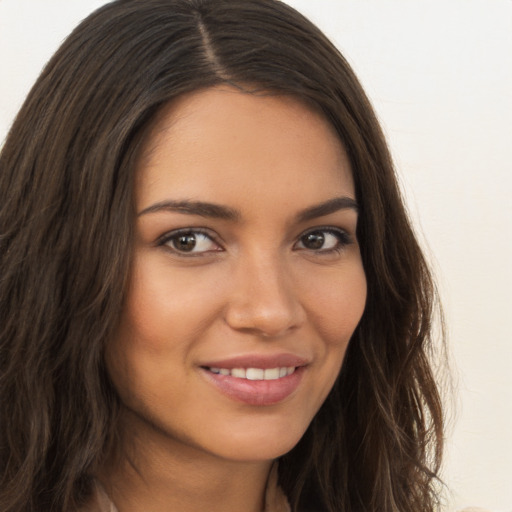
column 439, row 73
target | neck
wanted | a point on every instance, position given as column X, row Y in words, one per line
column 153, row 471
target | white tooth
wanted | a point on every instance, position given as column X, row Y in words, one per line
column 254, row 373
column 224, row 371
column 271, row 374
column 283, row 372
column 215, row 370
column 238, row 372
column 290, row 370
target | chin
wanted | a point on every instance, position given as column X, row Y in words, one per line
column 259, row 445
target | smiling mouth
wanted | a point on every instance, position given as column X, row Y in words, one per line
column 255, row 386
column 254, row 373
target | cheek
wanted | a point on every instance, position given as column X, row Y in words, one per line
column 166, row 308
column 336, row 305
column 158, row 328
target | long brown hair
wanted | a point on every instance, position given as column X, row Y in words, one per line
column 66, row 217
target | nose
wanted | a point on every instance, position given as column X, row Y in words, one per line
column 263, row 299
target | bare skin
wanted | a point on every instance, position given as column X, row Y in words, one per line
column 168, row 478
column 246, row 258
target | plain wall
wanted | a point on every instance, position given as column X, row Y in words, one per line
column 439, row 73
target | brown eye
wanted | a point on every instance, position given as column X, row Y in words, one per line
column 324, row 240
column 189, row 242
column 185, row 243
column 314, row 240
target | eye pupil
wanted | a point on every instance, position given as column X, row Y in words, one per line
column 314, row 240
column 185, row 242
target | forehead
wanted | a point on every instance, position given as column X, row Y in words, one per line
column 224, row 144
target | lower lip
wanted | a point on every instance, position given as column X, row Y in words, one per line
column 256, row 392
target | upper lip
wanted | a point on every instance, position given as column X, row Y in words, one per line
column 264, row 361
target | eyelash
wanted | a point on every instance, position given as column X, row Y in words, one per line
column 165, row 240
column 343, row 240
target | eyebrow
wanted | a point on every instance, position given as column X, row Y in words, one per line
column 331, row 206
column 201, row 208
column 217, row 211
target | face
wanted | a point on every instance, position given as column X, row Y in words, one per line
column 247, row 281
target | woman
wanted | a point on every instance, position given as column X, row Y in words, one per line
column 198, row 213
